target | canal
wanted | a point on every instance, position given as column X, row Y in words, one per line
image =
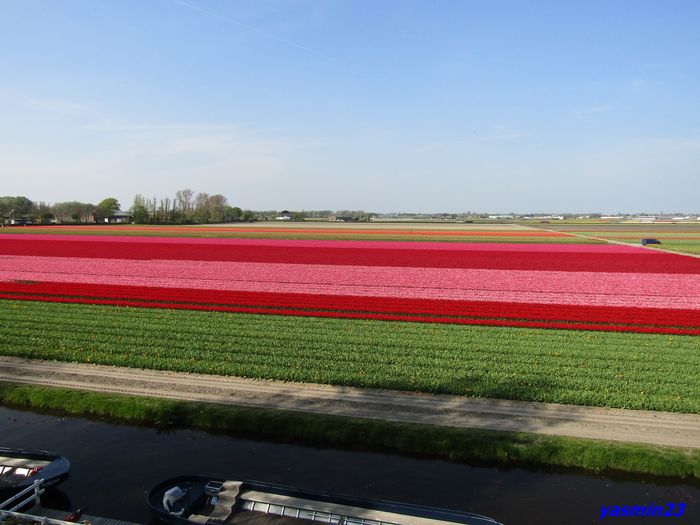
column 112, row 467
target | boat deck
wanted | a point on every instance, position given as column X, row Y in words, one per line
column 241, row 518
column 60, row 514
column 245, row 517
column 6, row 461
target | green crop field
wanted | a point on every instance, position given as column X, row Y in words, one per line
column 682, row 238
column 641, row 371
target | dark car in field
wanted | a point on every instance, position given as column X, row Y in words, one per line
column 650, row 241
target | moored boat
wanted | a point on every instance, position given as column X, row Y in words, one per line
column 187, row 500
column 21, row 468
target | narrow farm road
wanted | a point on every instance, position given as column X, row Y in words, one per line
column 622, row 243
column 657, row 428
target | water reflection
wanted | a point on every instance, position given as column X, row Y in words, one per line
column 112, row 467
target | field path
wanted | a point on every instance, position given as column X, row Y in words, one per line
column 622, row 243
column 658, row 428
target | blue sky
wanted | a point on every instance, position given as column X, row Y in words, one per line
column 377, row 105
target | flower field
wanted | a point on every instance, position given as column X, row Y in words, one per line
column 591, row 324
column 592, row 287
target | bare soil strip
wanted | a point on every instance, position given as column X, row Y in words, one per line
column 656, row 428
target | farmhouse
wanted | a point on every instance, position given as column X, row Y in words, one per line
column 120, row 217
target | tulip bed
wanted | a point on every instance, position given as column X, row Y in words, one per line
column 494, row 256
column 590, row 287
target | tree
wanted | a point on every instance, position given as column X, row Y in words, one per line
column 139, row 209
column 105, row 209
column 217, row 208
column 42, row 212
column 183, row 199
column 153, row 209
column 164, row 210
column 233, row 214
column 15, row 207
column 248, row 216
column 202, row 212
column 75, row 211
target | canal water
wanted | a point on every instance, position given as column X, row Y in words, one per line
column 113, row 466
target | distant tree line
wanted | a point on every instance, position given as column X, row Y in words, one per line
column 23, row 210
column 187, row 208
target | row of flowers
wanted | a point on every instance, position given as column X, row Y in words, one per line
column 596, row 287
column 598, row 260
column 371, row 316
column 671, row 291
column 475, row 309
column 66, row 240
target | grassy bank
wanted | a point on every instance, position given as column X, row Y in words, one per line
column 609, row 369
column 473, row 446
column 682, row 238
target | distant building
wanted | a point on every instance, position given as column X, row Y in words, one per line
column 120, row 217
column 21, row 221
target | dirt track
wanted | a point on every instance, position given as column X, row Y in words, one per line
column 659, row 428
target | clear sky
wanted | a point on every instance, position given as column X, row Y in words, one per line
column 381, row 105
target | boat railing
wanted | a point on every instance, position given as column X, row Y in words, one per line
column 25, row 497
column 43, row 520
column 31, row 494
column 293, row 511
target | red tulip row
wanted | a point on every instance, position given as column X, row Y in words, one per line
column 651, row 320
column 641, row 262
column 380, row 317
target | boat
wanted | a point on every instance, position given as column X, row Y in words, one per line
column 200, row 500
column 20, row 468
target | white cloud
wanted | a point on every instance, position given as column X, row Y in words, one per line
column 585, row 112
column 57, row 105
column 470, row 140
column 20, row 104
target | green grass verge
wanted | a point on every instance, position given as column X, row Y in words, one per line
column 684, row 240
column 681, row 247
column 623, row 370
column 463, row 445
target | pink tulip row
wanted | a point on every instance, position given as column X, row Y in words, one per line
column 675, row 291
